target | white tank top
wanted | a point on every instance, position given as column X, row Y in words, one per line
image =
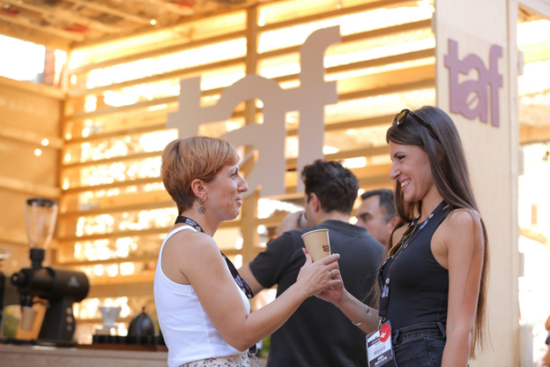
column 188, row 332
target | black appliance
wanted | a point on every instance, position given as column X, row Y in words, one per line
column 59, row 287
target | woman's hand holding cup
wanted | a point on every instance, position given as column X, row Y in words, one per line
column 315, row 277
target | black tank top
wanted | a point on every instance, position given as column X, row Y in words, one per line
column 420, row 285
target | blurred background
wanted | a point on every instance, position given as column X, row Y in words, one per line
column 86, row 86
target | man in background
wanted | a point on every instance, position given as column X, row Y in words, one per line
column 377, row 214
column 318, row 334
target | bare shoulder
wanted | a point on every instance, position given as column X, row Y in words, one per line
column 463, row 226
column 191, row 243
column 463, row 219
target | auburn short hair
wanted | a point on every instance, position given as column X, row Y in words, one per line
column 195, row 157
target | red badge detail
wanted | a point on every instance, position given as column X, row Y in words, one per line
column 385, row 332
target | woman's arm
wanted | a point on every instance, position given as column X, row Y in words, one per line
column 200, row 261
column 463, row 238
column 355, row 310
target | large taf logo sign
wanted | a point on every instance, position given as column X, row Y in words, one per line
column 268, row 138
column 470, row 97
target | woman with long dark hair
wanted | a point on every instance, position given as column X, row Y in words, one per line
column 433, row 282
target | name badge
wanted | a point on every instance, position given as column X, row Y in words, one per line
column 379, row 347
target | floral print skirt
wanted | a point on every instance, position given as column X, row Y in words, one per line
column 237, row 360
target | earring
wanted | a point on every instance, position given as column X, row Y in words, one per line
column 201, row 201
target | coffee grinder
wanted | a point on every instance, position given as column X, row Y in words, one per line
column 60, row 287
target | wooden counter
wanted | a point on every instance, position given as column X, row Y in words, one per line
column 26, row 356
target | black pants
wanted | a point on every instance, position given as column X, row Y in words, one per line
column 419, row 345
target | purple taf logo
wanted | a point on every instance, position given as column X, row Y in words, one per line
column 461, row 91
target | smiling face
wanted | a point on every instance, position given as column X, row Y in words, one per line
column 224, row 193
column 411, row 167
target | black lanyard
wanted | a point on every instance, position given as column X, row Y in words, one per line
column 385, row 287
column 240, row 281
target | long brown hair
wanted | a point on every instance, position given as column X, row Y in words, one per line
column 452, row 180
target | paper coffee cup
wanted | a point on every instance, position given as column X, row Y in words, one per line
column 317, row 243
column 28, row 317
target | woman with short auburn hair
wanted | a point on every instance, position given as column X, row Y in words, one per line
column 433, row 282
column 202, row 302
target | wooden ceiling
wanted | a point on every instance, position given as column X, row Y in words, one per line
column 66, row 24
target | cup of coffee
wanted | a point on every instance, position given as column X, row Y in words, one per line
column 317, row 243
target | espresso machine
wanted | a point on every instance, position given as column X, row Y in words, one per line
column 59, row 287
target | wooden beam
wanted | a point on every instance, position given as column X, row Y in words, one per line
column 533, row 235
column 122, row 281
column 141, row 181
column 25, row 187
column 143, row 232
column 118, row 133
column 291, row 163
column 388, row 60
column 118, row 209
column 228, row 252
column 156, row 78
column 343, row 125
column 314, row 17
column 360, row 36
column 122, row 158
column 112, row 11
column 31, row 137
column 46, row 29
column 533, row 94
column 401, row 87
column 162, row 199
column 376, row 181
column 113, row 289
column 249, row 210
column 158, row 52
column 171, row 49
column 106, row 262
column 410, row 56
column 172, row 8
column 353, row 124
column 137, row 106
column 536, row 52
column 100, row 320
column 41, row 89
column 110, row 110
column 335, row 13
column 175, row 28
column 541, row 8
column 345, row 154
column 534, row 134
column 64, row 15
column 272, row 221
column 114, row 235
column 13, row 237
column 36, row 37
column 405, row 87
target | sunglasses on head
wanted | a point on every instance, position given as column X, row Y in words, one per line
column 400, row 118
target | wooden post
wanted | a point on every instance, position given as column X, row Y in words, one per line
column 250, row 205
